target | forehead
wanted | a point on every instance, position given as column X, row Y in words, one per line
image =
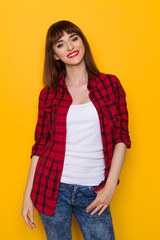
column 62, row 35
column 65, row 35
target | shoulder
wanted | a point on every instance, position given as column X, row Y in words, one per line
column 109, row 78
column 112, row 80
column 112, row 84
column 46, row 93
column 45, row 97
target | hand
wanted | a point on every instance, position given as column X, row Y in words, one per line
column 102, row 200
column 28, row 208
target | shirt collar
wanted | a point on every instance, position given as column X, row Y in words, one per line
column 91, row 81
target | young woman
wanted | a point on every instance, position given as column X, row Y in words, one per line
column 81, row 139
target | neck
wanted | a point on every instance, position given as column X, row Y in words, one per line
column 76, row 75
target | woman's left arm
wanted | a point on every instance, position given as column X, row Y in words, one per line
column 122, row 142
column 104, row 196
column 116, row 164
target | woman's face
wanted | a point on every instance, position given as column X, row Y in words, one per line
column 69, row 49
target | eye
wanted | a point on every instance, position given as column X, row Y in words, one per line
column 59, row 45
column 75, row 38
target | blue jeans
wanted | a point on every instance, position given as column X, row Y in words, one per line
column 73, row 198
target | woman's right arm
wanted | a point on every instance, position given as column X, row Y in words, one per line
column 41, row 136
column 27, row 207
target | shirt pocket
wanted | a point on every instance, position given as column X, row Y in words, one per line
column 51, row 110
column 110, row 111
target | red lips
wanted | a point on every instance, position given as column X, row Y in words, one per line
column 72, row 53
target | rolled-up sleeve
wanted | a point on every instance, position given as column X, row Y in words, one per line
column 42, row 127
column 121, row 130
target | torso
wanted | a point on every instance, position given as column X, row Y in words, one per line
column 79, row 94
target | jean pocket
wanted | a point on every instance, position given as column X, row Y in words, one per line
column 91, row 187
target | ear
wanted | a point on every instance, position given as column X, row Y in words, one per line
column 56, row 57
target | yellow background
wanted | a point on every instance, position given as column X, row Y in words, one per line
column 124, row 39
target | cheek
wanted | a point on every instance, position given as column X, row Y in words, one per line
column 62, row 54
column 81, row 47
column 83, row 50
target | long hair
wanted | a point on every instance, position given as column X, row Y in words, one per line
column 53, row 69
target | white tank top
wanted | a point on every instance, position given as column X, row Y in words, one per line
column 84, row 160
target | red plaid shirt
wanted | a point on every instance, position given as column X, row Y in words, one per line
column 109, row 99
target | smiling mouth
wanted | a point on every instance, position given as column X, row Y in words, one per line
column 73, row 54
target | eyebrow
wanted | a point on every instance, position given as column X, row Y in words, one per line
column 69, row 37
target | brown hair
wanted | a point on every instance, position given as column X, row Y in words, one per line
column 53, row 69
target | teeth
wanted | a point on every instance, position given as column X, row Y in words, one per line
column 72, row 54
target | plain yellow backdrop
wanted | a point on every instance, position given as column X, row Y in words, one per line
column 124, row 39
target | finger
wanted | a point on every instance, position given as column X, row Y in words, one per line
column 31, row 219
column 92, row 205
column 102, row 210
column 26, row 219
column 96, row 209
column 29, row 223
column 31, row 216
column 32, row 223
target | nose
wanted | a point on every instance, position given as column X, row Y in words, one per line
column 69, row 46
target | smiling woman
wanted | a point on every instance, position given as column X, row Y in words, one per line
column 63, row 38
column 69, row 46
column 81, row 137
